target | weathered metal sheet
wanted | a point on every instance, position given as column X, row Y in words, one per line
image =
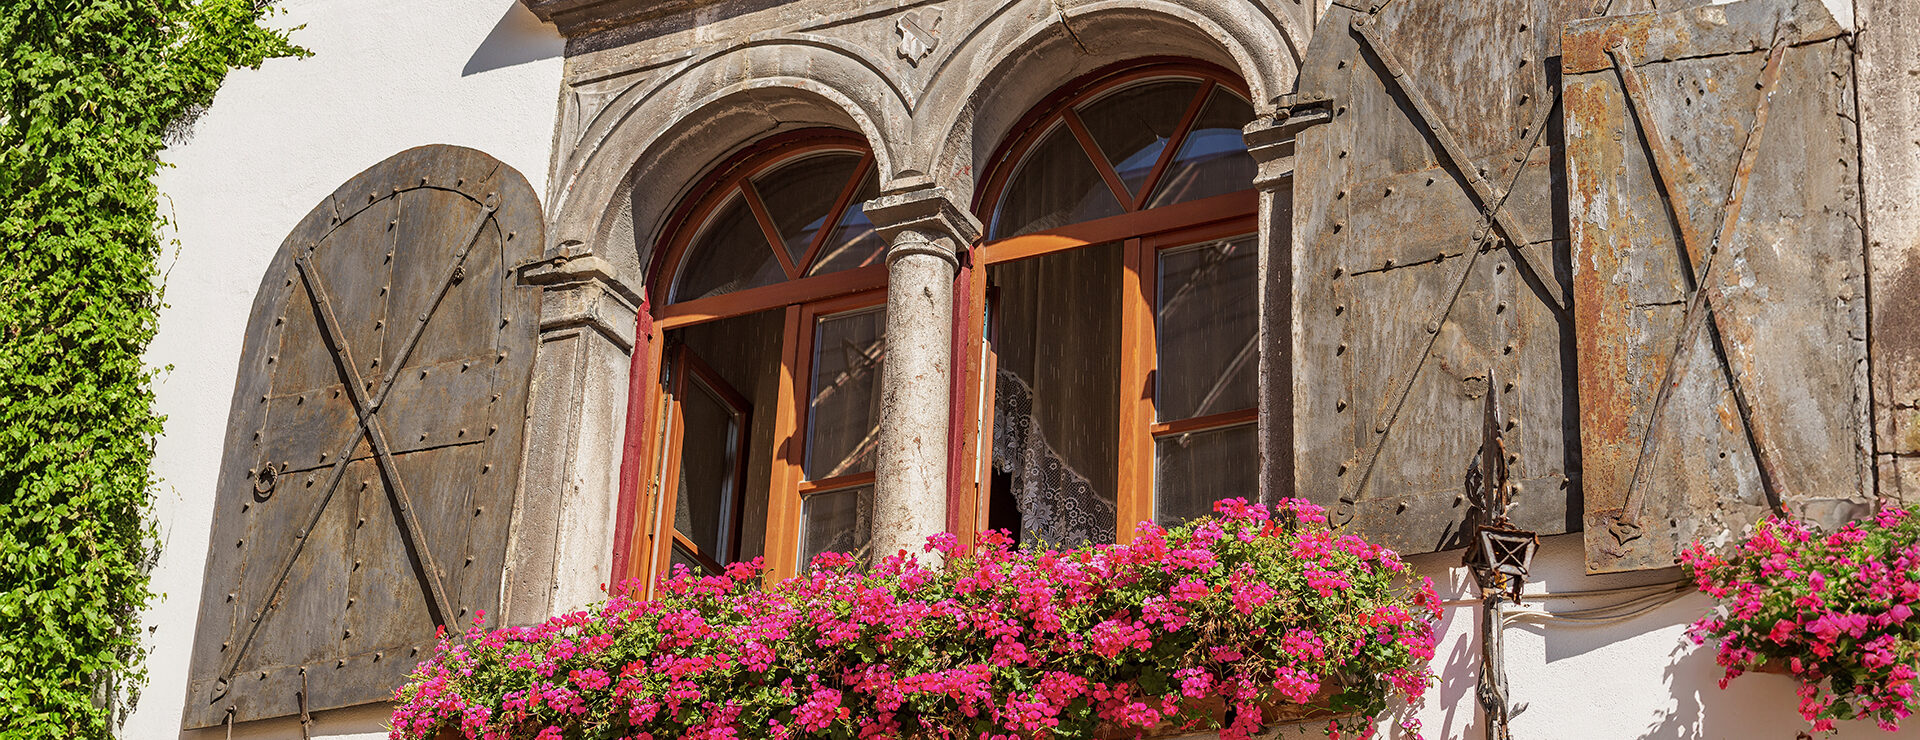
column 1713, row 145
column 1429, row 254
column 374, row 438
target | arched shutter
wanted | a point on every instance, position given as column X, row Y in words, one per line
column 374, row 441
column 1428, row 259
column 1715, row 146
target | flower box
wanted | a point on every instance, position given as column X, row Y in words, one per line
column 1264, row 611
column 1840, row 606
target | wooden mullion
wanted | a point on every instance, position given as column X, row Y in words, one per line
column 838, row 482
column 1174, row 143
column 783, row 499
column 1092, row 149
column 777, row 295
column 1134, row 498
column 768, row 229
column 838, row 212
column 1206, row 423
column 1239, row 205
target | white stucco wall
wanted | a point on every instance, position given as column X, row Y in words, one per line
column 385, row 76
column 391, row 75
column 1637, row 678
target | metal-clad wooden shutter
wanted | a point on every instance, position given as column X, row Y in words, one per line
column 374, row 443
column 1427, row 253
column 1715, row 146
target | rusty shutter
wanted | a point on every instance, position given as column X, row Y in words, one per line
column 375, row 437
column 1427, row 259
column 1715, row 146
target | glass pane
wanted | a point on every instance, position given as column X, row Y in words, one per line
column 843, row 405
column 854, row 243
column 732, row 255
column 1213, row 160
column 709, row 449
column 682, row 557
column 1206, row 323
column 1132, row 125
column 1057, row 185
column 1191, row 471
column 836, row 521
column 1056, row 416
column 800, row 196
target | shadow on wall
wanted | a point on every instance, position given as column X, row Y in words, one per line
column 518, row 38
column 1459, row 689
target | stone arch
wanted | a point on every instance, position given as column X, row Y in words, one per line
column 649, row 145
column 1029, row 55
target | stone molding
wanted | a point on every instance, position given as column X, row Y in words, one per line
column 923, row 219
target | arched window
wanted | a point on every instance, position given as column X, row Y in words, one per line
column 763, row 412
column 1114, row 310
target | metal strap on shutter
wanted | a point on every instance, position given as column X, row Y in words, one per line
column 1718, row 275
column 375, row 439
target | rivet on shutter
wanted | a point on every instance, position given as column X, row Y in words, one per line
column 1340, row 350
column 263, row 675
column 478, row 509
column 240, row 543
column 1340, row 405
column 346, row 634
column 1389, row 191
column 377, row 655
column 1339, row 309
column 469, row 561
column 1507, row 350
column 1340, row 195
column 462, row 432
column 484, row 469
column 491, row 428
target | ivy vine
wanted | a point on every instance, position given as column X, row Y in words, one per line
column 89, row 92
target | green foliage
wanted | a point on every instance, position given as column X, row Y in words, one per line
column 88, row 92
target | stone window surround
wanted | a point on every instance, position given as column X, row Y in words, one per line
column 686, row 112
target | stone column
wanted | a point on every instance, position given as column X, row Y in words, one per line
column 559, row 552
column 1270, row 141
column 926, row 232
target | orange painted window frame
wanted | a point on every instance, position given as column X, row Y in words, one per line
column 1143, row 233
column 644, row 533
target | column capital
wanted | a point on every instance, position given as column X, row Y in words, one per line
column 1270, row 139
column 922, row 218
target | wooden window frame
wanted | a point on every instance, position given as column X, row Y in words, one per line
column 688, row 369
column 644, row 536
column 1143, row 233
